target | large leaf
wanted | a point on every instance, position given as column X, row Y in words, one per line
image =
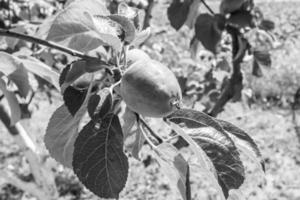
column 208, row 30
column 175, row 167
column 133, row 135
column 99, row 160
column 15, row 111
column 230, row 170
column 229, row 6
column 75, row 29
column 242, row 135
column 61, row 133
column 196, row 119
column 178, row 12
column 206, row 168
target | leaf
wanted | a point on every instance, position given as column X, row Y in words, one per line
column 141, row 37
column 99, row 160
column 226, row 160
column 133, row 135
column 229, row 6
column 100, row 104
column 75, row 29
column 194, row 47
column 76, row 69
column 208, row 30
column 193, row 13
column 127, row 26
column 138, row 20
column 267, row 25
column 175, row 167
column 9, row 63
column 61, row 133
column 262, row 57
column 12, row 42
column 256, row 70
column 260, row 39
column 15, row 111
column 108, row 30
column 43, row 29
column 21, row 79
column 127, row 11
column 196, row 119
column 74, row 98
column 40, row 69
column 14, row 69
column 178, row 12
column 241, row 19
column 242, row 135
column 206, row 167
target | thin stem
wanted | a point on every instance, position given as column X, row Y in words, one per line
column 125, row 56
column 9, row 14
column 149, row 141
column 150, row 130
column 112, row 87
column 172, row 138
column 50, row 44
column 235, row 82
column 89, row 89
column 208, row 7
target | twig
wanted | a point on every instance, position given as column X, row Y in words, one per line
column 148, row 140
column 150, row 130
column 208, row 7
column 236, row 80
column 50, row 44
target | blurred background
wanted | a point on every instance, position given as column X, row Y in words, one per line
column 269, row 108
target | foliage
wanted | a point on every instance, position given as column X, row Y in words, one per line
column 91, row 88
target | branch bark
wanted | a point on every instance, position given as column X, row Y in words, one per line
column 207, row 7
column 7, row 33
column 234, row 85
